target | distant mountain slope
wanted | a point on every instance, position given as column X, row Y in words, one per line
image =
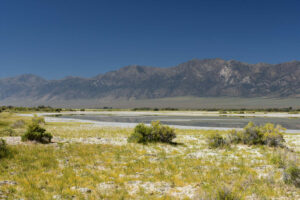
column 200, row 78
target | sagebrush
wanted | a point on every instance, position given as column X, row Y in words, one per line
column 269, row 135
column 36, row 133
column 157, row 132
column 217, row 140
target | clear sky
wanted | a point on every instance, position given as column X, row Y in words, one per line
column 57, row 38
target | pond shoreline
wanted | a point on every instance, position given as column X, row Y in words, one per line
column 48, row 118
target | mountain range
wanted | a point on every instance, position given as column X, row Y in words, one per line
column 198, row 78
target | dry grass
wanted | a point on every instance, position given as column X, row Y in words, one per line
column 73, row 169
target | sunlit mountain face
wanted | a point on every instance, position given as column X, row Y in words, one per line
column 199, row 78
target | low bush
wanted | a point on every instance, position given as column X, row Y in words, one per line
column 273, row 136
column 3, row 149
column 269, row 134
column 216, row 141
column 251, row 134
column 36, row 133
column 291, row 175
column 234, row 136
column 154, row 133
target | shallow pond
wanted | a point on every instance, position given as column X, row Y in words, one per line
column 194, row 121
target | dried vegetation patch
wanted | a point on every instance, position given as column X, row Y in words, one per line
column 90, row 162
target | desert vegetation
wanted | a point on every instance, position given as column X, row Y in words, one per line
column 217, row 141
column 85, row 161
column 268, row 134
column 154, row 133
column 36, row 133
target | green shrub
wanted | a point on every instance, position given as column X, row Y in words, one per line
column 259, row 135
column 234, row 136
column 216, row 140
column 36, row 133
column 273, row 136
column 154, row 133
column 251, row 134
column 140, row 134
column 3, row 149
column 291, row 175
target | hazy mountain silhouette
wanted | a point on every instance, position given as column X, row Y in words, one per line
column 200, row 78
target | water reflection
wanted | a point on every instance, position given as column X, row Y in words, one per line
column 206, row 121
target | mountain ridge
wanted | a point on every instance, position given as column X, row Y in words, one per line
column 200, row 78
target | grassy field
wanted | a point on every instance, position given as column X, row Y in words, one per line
column 91, row 162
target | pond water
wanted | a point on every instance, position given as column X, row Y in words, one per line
column 194, row 121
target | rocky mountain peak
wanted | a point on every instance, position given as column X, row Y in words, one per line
column 201, row 78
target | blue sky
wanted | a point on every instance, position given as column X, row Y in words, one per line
column 57, row 38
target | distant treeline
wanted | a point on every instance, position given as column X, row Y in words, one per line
column 24, row 109
column 154, row 109
column 239, row 110
column 43, row 108
column 289, row 109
